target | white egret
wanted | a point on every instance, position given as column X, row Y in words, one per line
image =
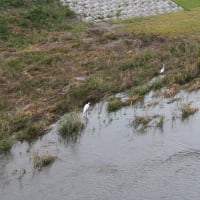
column 163, row 69
column 86, row 107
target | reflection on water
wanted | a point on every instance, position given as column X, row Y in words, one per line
column 112, row 160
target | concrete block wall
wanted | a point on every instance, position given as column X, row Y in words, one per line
column 102, row 10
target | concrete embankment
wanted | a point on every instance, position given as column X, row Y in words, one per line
column 102, row 10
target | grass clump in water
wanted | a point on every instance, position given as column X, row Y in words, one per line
column 142, row 120
column 70, row 125
column 42, row 160
column 187, row 110
column 115, row 104
column 139, row 90
column 5, row 145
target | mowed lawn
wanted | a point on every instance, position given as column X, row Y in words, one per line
column 188, row 4
column 182, row 23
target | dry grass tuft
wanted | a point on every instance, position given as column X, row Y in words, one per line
column 43, row 160
column 142, row 120
column 195, row 86
column 133, row 99
column 171, row 91
column 187, row 110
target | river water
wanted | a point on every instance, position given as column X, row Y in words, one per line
column 112, row 159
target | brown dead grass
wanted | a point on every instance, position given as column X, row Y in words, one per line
column 170, row 92
column 42, row 160
column 133, row 99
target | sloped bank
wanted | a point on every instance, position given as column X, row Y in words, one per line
column 58, row 73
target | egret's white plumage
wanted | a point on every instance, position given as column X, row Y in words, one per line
column 163, row 69
column 86, row 107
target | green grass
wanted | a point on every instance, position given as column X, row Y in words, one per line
column 115, row 104
column 5, row 145
column 21, row 125
column 143, row 60
column 30, row 131
column 157, row 84
column 12, row 66
column 92, row 89
column 188, row 4
column 4, row 104
column 139, row 90
column 182, row 23
column 13, row 3
column 26, row 22
column 47, row 15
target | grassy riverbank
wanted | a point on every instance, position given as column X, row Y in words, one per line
column 180, row 24
column 188, row 4
column 52, row 63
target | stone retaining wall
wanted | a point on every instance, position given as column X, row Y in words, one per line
column 102, row 10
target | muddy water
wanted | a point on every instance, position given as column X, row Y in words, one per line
column 111, row 159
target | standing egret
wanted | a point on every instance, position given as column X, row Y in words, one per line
column 86, row 107
column 163, row 69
